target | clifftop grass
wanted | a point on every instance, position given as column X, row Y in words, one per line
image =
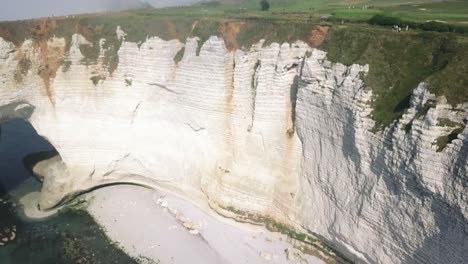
column 398, row 61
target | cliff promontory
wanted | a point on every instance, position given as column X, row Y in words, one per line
column 264, row 129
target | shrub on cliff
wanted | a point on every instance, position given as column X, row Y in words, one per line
column 264, row 5
column 435, row 26
column 382, row 20
column 442, row 27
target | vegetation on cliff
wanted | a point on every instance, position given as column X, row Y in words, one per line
column 398, row 61
column 307, row 243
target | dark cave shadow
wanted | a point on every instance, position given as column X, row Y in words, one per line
column 2, row 191
column 20, row 149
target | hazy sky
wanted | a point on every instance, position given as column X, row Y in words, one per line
column 23, row 9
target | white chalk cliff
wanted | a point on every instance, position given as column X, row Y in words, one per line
column 276, row 130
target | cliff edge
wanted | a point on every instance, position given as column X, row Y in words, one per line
column 272, row 133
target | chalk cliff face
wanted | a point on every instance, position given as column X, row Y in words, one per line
column 277, row 130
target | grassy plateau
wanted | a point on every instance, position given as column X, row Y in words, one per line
column 398, row 61
column 433, row 52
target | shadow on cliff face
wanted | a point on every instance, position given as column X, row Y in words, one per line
column 350, row 150
column 18, row 139
column 450, row 244
column 459, row 168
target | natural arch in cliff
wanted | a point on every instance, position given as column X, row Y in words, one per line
column 275, row 132
column 20, row 149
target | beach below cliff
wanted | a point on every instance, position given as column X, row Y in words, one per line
column 120, row 223
column 66, row 235
column 163, row 228
column 132, row 224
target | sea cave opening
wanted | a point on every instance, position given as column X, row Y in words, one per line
column 20, row 149
column 63, row 236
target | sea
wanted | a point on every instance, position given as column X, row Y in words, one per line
column 69, row 236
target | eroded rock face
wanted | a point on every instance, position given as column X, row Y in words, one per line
column 276, row 131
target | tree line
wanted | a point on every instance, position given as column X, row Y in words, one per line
column 382, row 20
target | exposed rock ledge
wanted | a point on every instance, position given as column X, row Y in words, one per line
column 271, row 131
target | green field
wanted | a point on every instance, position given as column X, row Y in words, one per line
column 452, row 11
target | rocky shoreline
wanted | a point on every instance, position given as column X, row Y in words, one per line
column 70, row 235
column 8, row 226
